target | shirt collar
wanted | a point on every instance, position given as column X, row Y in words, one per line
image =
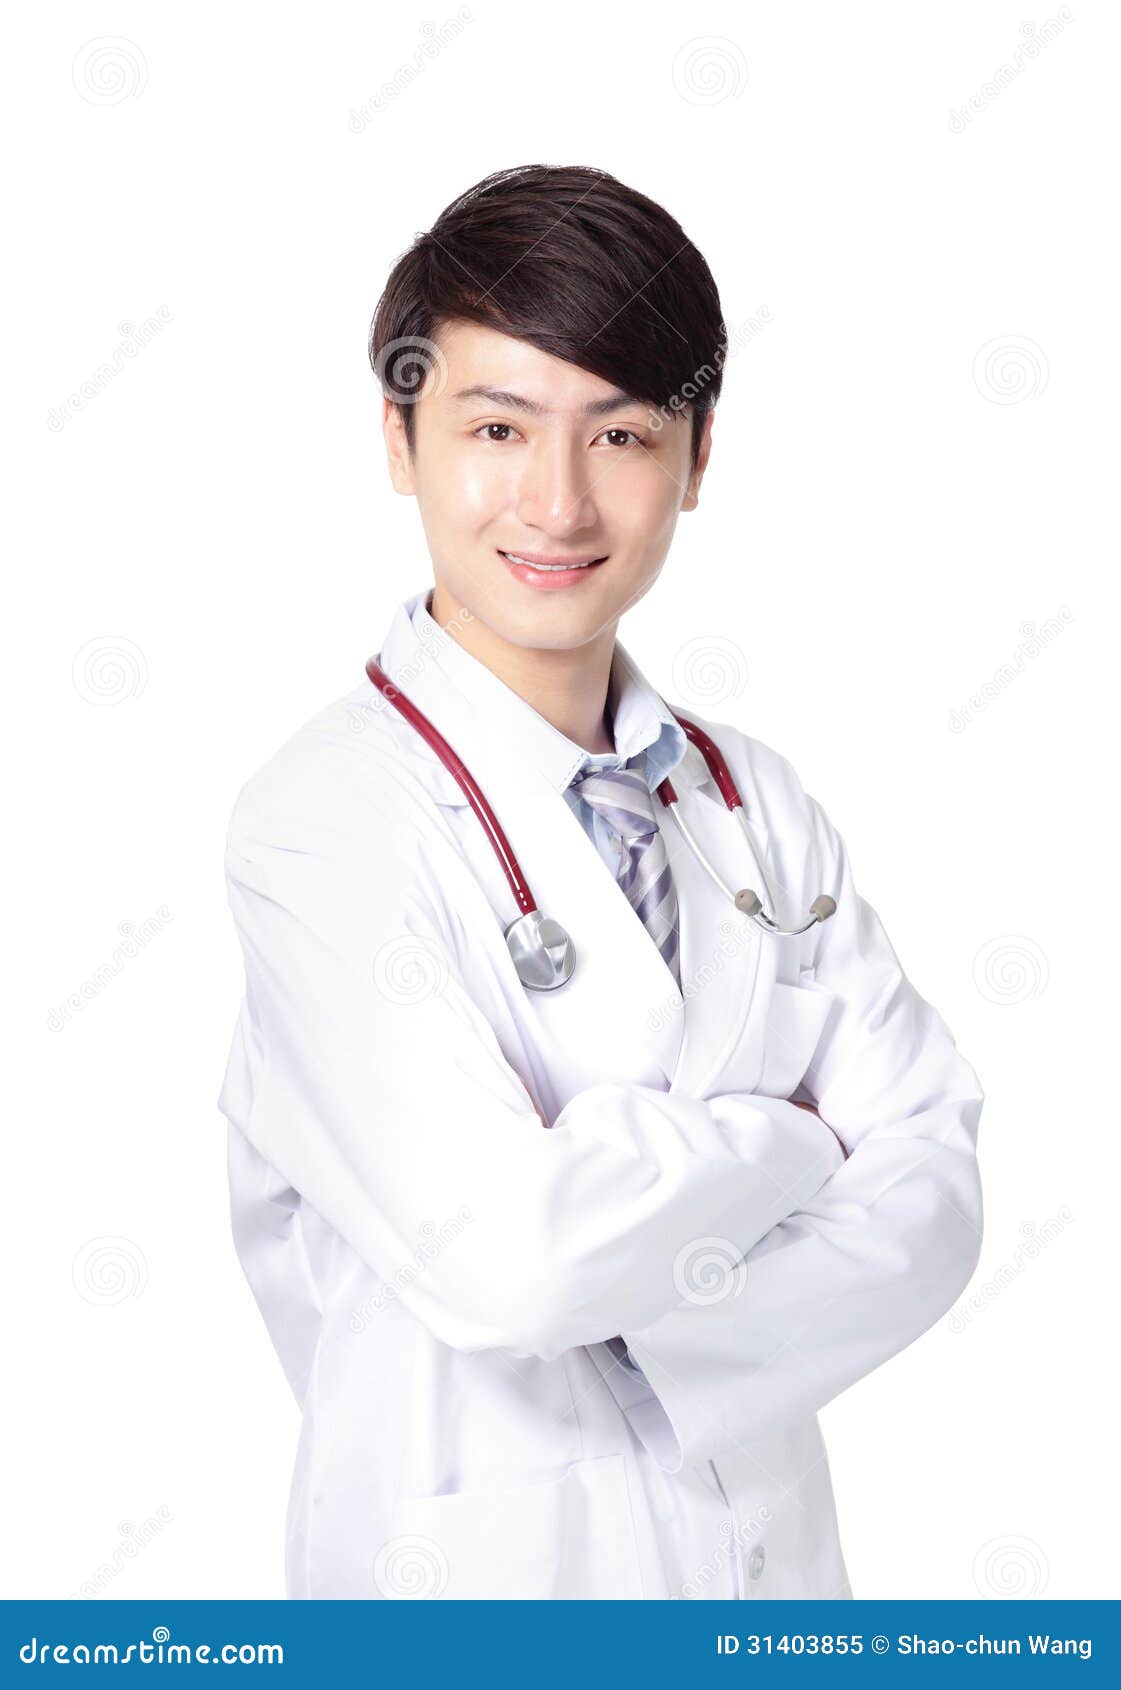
column 642, row 721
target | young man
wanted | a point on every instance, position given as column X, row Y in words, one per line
column 583, row 1361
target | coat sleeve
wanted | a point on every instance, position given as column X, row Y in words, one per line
column 366, row 1076
column 869, row 1261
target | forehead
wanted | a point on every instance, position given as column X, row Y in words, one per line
column 477, row 356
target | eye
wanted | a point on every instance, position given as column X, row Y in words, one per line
column 503, row 428
column 631, row 437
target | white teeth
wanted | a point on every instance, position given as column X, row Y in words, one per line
column 545, row 567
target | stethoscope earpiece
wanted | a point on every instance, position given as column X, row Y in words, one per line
column 751, row 905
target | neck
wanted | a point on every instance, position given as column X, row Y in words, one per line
column 568, row 688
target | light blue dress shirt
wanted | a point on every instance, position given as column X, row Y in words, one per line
column 662, row 755
column 641, row 721
column 646, row 736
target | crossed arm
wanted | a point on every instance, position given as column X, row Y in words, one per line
column 367, row 1077
column 872, row 1258
column 389, row 1109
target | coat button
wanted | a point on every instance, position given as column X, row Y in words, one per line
column 756, row 1562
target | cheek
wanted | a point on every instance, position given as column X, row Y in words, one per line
column 646, row 498
column 473, row 488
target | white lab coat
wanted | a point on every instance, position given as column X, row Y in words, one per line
column 439, row 1273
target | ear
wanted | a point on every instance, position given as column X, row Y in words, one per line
column 397, row 447
column 692, row 494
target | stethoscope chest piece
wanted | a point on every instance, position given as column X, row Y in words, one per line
column 542, row 951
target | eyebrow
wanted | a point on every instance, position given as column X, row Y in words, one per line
column 509, row 401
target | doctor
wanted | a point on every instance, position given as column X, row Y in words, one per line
column 560, row 1278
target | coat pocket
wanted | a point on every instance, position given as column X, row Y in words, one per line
column 795, row 1023
column 571, row 1538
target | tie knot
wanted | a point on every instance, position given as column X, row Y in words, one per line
column 622, row 797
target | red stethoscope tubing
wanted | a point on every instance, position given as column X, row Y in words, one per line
column 455, row 765
column 491, row 826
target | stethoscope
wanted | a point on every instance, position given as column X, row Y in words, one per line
column 542, row 951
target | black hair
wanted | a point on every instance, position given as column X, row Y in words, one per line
column 571, row 261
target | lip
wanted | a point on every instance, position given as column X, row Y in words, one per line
column 555, row 578
column 547, row 557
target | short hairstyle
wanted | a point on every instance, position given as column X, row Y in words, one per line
column 571, row 261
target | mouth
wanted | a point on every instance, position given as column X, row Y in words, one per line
column 542, row 571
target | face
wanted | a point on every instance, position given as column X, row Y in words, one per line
column 518, row 454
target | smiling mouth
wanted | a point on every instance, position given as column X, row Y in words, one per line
column 553, row 566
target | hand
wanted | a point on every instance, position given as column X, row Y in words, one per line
column 537, row 1107
column 815, row 1111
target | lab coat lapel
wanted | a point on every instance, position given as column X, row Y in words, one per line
column 621, row 1017
column 720, row 947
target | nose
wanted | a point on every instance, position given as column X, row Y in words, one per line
column 555, row 490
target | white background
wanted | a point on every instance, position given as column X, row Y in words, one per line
column 208, row 549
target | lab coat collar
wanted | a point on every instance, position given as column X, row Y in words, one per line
column 622, row 1016
column 641, row 719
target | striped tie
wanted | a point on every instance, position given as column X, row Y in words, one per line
column 623, row 798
